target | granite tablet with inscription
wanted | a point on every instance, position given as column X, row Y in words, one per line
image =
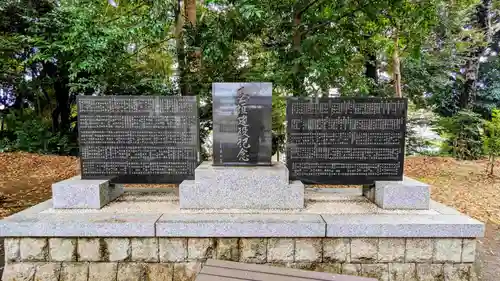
column 242, row 123
column 138, row 139
column 345, row 140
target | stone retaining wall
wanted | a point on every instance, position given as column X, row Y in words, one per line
column 178, row 259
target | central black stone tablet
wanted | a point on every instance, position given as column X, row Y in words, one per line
column 242, row 123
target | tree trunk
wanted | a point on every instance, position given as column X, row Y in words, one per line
column 181, row 55
column 371, row 71
column 371, row 66
column 60, row 115
column 298, row 77
column 396, row 67
column 193, row 54
column 492, row 164
column 483, row 24
column 190, row 6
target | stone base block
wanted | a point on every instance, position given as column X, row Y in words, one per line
column 407, row 194
column 75, row 193
column 180, row 259
column 261, row 187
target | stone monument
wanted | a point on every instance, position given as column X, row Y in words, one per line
column 130, row 139
column 242, row 175
column 353, row 141
column 94, row 229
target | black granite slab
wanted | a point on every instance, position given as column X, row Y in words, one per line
column 242, row 123
column 138, row 139
column 345, row 140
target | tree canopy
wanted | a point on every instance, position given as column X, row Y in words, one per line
column 440, row 54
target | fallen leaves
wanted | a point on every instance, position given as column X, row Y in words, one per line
column 26, row 179
column 463, row 185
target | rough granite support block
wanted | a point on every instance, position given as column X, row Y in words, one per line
column 160, row 271
column 227, row 249
column 76, row 193
column 117, row 249
column 129, row 271
column 62, row 249
column 469, row 250
column 447, row 250
column 186, row 271
column 224, row 187
column 391, row 250
column 19, row 271
column 103, row 271
column 364, row 250
column 253, row 250
column 12, row 249
column 419, row 250
column 280, row 250
column 308, row 250
column 145, row 249
column 34, row 249
column 389, row 225
column 240, row 225
column 48, row 271
column 74, row 271
column 79, row 225
column 89, row 249
column 200, row 248
column 336, row 250
column 173, row 249
column 407, row 194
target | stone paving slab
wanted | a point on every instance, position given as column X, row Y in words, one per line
column 160, row 215
column 79, row 225
column 316, row 203
column 240, row 225
column 382, row 225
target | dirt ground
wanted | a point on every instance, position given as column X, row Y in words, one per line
column 25, row 180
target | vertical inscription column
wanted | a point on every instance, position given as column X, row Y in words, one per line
column 242, row 123
column 346, row 140
column 138, row 139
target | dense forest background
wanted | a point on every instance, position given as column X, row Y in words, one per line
column 442, row 55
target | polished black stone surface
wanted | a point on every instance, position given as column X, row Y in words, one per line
column 138, row 139
column 345, row 140
column 242, row 123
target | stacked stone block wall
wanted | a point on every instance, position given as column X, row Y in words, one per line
column 179, row 259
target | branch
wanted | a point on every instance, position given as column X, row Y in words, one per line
column 336, row 20
column 150, row 45
column 127, row 13
column 309, row 5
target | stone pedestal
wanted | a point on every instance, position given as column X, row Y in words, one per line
column 407, row 194
column 75, row 193
column 229, row 187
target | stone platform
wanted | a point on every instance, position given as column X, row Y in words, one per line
column 145, row 233
column 253, row 187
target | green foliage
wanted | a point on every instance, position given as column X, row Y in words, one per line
column 463, row 135
column 25, row 132
column 108, row 50
column 415, row 143
column 491, row 139
column 488, row 95
column 305, row 48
